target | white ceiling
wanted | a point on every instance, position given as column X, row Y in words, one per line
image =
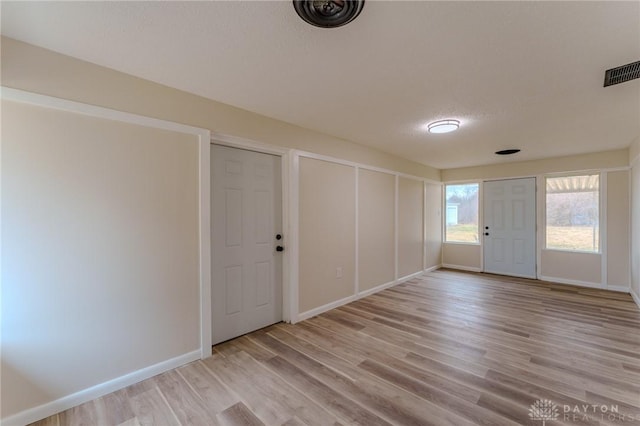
column 525, row 75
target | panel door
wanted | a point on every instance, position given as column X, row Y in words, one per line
column 246, row 217
column 510, row 227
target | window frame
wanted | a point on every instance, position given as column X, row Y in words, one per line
column 601, row 212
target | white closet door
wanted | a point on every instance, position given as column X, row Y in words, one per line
column 246, row 209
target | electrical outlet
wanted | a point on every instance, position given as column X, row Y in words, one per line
column 339, row 272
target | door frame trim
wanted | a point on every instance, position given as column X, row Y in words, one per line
column 286, row 167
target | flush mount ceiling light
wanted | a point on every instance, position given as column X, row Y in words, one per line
column 507, row 151
column 328, row 13
column 443, row 126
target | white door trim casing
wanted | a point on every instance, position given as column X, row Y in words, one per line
column 248, row 144
column 356, row 232
column 289, row 169
column 396, row 225
column 602, row 225
column 255, row 303
column 541, row 221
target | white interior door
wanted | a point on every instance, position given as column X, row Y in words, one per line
column 246, row 218
column 510, row 227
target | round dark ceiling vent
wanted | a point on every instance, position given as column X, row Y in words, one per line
column 328, row 13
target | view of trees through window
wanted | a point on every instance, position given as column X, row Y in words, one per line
column 461, row 216
column 573, row 213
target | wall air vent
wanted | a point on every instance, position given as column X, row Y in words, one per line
column 621, row 74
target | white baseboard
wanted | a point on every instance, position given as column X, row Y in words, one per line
column 433, row 268
column 324, row 308
column 365, row 293
column 636, row 298
column 462, row 268
column 409, row 277
column 50, row 408
column 572, row 282
column 619, row 288
column 529, row 277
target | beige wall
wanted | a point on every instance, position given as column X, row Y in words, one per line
column 618, row 235
column 410, row 226
column 100, row 267
column 600, row 160
column 635, row 219
column 465, row 256
column 433, row 225
column 376, row 228
column 634, row 150
column 37, row 70
column 327, row 232
column 571, row 266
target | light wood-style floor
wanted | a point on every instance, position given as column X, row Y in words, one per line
column 448, row 348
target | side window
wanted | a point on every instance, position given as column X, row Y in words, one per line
column 461, row 217
column 573, row 213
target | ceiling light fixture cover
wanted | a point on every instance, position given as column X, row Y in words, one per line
column 328, row 13
column 443, row 126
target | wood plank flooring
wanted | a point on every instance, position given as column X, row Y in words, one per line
column 448, row 348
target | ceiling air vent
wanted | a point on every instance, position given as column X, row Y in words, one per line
column 621, row 74
column 328, row 13
column 508, row 152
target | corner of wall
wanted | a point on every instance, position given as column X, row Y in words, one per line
column 634, row 151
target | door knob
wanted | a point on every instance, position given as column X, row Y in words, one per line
column 486, row 233
column 278, row 237
column 279, row 248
